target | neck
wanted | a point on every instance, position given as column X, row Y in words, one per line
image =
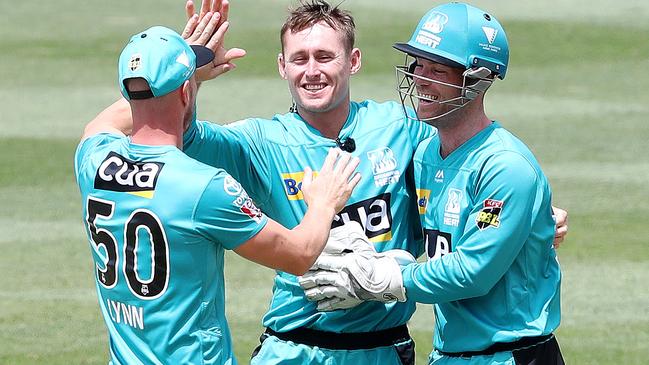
column 157, row 126
column 328, row 123
column 459, row 127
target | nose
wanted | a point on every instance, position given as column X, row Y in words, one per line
column 312, row 68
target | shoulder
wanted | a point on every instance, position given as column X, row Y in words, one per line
column 388, row 111
column 93, row 145
column 507, row 149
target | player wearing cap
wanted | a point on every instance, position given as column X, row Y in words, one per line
column 318, row 58
column 492, row 272
column 158, row 221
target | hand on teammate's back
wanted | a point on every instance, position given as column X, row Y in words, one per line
column 334, row 184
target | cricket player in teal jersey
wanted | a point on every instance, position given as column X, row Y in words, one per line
column 485, row 208
column 158, row 221
column 318, row 58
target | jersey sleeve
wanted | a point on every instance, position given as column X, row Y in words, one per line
column 86, row 146
column 226, row 214
column 237, row 148
column 499, row 223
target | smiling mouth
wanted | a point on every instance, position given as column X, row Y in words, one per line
column 314, row 87
column 427, row 98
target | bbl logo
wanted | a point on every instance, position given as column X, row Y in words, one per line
column 489, row 216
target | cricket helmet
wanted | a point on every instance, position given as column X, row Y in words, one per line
column 461, row 36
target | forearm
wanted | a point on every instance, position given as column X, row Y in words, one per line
column 432, row 282
column 307, row 239
column 114, row 119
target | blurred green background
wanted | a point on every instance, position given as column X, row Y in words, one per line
column 575, row 92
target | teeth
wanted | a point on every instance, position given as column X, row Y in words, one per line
column 314, row 87
column 427, row 96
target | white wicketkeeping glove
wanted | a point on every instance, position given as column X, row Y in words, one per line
column 350, row 237
column 352, row 277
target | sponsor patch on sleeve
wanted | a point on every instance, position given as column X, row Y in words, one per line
column 242, row 201
column 489, row 215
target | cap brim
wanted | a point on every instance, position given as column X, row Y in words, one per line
column 204, row 55
column 406, row 48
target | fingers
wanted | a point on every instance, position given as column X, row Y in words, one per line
column 354, row 181
column 189, row 28
column 330, row 304
column 321, row 292
column 189, row 9
column 333, row 263
column 341, row 164
column 330, row 160
column 223, row 8
column 204, row 30
column 216, row 39
column 559, row 236
column 206, row 7
column 234, row 53
column 308, row 178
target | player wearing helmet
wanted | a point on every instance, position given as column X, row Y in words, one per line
column 492, row 271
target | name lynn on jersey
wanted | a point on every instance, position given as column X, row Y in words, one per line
column 125, row 314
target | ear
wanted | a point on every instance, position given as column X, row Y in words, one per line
column 185, row 93
column 355, row 60
column 281, row 65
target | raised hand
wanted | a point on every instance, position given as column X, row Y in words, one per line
column 208, row 28
column 335, row 181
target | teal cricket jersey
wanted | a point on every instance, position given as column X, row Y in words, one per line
column 488, row 231
column 157, row 224
column 268, row 156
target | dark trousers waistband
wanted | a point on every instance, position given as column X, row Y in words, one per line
column 344, row 341
column 523, row 343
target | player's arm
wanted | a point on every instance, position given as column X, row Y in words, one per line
column 295, row 250
column 116, row 119
column 485, row 251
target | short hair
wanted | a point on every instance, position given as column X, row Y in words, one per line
column 312, row 12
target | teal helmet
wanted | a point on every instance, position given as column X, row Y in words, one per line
column 460, row 35
column 456, row 35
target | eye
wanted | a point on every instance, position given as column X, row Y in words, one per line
column 298, row 60
column 324, row 57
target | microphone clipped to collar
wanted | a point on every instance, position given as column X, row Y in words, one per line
column 349, row 145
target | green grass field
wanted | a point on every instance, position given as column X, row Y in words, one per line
column 575, row 92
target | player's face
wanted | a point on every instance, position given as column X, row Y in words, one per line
column 318, row 68
column 435, row 91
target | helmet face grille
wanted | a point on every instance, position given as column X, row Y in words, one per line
column 475, row 82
